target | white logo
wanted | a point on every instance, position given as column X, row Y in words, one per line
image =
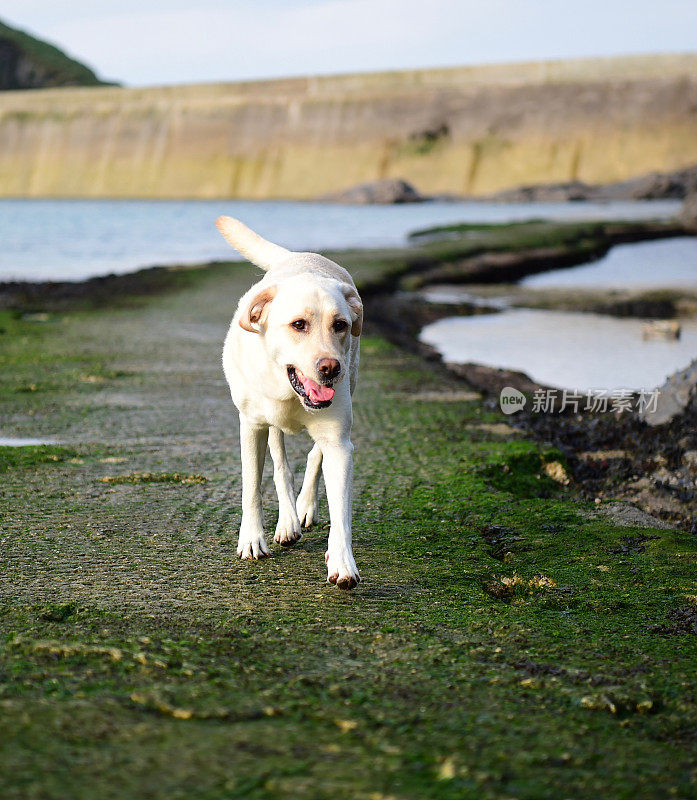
column 511, row 400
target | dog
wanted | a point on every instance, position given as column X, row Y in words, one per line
column 291, row 359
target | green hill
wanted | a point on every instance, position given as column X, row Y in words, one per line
column 29, row 63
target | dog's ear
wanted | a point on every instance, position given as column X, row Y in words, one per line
column 356, row 306
column 256, row 309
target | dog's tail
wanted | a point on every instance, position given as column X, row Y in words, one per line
column 252, row 246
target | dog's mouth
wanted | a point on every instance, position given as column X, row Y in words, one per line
column 313, row 394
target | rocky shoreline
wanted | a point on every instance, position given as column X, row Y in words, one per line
column 608, row 456
column 479, row 657
column 651, row 463
column 676, row 185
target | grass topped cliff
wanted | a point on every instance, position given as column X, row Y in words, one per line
column 507, row 641
column 30, row 63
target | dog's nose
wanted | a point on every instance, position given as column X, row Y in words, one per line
column 328, row 368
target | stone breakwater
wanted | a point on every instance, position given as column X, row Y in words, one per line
column 473, row 130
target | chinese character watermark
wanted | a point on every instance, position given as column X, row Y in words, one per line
column 592, row 401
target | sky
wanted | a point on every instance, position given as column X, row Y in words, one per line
column 146, row 42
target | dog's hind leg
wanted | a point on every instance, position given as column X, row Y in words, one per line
column 288, row 527
column 253, row 439
column 308, row 499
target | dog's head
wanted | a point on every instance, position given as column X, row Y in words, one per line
column 307, row 326
column 306, row 319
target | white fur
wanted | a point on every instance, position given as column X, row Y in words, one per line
column 255, row 360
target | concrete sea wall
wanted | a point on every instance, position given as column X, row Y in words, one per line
column 469, row 130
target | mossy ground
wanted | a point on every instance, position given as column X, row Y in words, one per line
column 504, row 643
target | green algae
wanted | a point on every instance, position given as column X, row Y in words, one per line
column 503, row 642
column 31, row 456
column 153, row 477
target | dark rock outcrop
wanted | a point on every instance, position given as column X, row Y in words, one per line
column 674, row 396
column 544, row 193
column 382, row 192
column 654, row 186
column 688, row 214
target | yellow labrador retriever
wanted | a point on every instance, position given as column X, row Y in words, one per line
column 291, row 359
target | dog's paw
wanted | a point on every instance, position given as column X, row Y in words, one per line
column 287, row 530
column 342, row 569
column 307, row 510
column 252, row 546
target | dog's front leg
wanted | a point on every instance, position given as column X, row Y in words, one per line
column 337, row 467
column 288, row 527
column 253, row 440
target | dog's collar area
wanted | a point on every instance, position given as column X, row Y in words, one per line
column 297, row 385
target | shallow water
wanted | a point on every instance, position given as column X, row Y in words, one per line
column 564, row 349
column 445, row 294
column 77, row 239
column 12, row 442
column 668, row 263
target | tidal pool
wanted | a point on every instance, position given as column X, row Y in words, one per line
column 667, row 263
column 12, row 442
column 568, row 350
column 445, row 294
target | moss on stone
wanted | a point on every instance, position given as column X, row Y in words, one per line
column 502, row 643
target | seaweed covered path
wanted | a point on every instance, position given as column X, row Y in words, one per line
column 506, row 640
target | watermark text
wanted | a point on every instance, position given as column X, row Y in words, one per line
column 591, row 401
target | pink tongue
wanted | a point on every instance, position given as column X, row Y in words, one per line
column 316, row 393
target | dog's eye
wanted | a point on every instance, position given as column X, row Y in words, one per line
column 299, row 324
column 340, row 325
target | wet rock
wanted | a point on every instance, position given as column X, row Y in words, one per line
column 689, row 459
column 683, row 621
column 626, row 515
column 384, row 192
column 666, row 330
column 556, row 471
column 498, row 590
column 674, row 397
column 491, row 380
column 658, row 186
column 633, row 305
column 603, row 457
column 653, row 186
column 546, row 193
column 688, row 214
column 675, row 483
column 500, row 541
